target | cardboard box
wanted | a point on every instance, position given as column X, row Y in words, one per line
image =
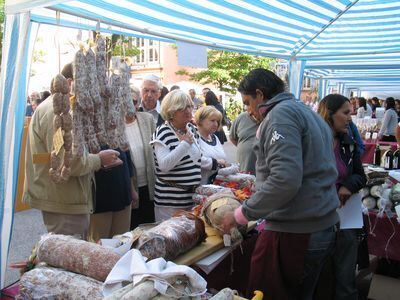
column 384, row 288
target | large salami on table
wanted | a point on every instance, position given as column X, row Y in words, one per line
column 172, row 237
column 77, row 256
column 52, row 283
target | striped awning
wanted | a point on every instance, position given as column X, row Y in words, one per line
column 287, row 28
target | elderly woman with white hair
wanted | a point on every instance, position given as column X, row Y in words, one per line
column 177, row 156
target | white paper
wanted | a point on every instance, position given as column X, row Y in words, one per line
column 208, row 263
column 191, row 55
column 351, row 213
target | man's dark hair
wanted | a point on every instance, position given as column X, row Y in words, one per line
column 264, row 80
column 67, row 71
column 44, row 95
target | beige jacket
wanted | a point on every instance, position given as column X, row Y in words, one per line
column 147, row 128
column 71, row 197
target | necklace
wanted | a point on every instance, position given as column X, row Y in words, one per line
column 207, row 138
column 180, row 131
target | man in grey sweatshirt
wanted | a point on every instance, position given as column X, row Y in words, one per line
column 295, row 190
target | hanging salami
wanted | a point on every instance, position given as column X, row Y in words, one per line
column 60, row 158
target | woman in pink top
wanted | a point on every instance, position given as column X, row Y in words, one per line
column 335, row 109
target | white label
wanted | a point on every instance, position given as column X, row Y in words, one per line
column 227, row 240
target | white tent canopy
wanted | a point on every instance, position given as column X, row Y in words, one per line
column 309, row 34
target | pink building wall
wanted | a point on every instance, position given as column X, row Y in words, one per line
column 169, row 63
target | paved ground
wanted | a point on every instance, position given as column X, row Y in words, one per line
column 28, row 227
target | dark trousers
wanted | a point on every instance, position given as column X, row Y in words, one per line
column 287, row 265
column 145, row 212
column 344, row 265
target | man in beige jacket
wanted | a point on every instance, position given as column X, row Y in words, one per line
column 65, row 206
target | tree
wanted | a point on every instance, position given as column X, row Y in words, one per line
column 226, row 69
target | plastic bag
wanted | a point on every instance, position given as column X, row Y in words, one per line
column 210, row 189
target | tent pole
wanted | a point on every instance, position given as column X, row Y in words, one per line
column 324, row 28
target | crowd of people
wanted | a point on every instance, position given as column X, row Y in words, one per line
column 306, row 166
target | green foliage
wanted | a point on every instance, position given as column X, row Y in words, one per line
column 226, row 69
column 122, row 46
column 118, row 51
column 233, row 108
column 39, row 56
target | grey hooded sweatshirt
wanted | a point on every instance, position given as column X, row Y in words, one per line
column 296, row 170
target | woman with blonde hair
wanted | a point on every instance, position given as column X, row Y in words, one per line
column 208, row 120
column 177, row 156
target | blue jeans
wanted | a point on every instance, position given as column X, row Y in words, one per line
column 344, row 264
column 320, row 247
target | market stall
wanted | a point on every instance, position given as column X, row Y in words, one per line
column 370, row 147
column 298, row 32
column 381, row 219
column 185, row 254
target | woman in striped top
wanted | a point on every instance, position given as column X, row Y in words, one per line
column 177, row 156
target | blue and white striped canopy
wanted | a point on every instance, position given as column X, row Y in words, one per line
column 331, row 35
column 305, row 29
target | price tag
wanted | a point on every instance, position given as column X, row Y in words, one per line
column 368, row 135
column 58, row 140
column 227, row 240
column 375, row 136
column 72, row 101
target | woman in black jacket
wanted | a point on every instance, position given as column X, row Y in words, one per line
column 211, row 99
column 336, row 110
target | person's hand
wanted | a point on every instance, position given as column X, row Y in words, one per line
column 344, row 195
column 187, row 137
column 222, row 163
column 135, row 199
column 109, row 158
column 130, row 118
column 228, row 222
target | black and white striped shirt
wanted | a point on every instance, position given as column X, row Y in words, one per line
column 187, row 171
